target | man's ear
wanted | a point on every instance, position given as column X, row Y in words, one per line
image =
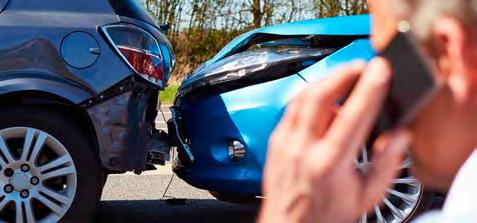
column 449, row 43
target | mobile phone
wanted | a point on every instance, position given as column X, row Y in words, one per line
column 413, row 82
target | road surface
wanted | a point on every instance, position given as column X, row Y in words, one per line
column 129, row 198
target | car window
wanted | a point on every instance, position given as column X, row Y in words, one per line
column 3, row 4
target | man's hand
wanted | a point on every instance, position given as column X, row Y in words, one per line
column 310, row 175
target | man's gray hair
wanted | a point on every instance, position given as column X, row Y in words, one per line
column 423, row 13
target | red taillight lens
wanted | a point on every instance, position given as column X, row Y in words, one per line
column 140, row 50
column 148, row 65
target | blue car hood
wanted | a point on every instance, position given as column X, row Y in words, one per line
column 336, row 26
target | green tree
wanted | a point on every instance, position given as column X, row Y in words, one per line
column 200, row 28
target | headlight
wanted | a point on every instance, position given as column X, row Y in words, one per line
column 252, row 67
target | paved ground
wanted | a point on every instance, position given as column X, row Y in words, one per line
column 130, row 198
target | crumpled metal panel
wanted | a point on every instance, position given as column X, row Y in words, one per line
column 122, row 145
column 336, row 26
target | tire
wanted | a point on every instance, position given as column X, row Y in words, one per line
column 233, row 198
column 89, row 177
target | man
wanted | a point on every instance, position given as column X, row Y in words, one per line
column 318, row 141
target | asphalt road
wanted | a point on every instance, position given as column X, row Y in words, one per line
column 129, row 198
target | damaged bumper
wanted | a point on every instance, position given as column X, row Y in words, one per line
column 175, row 128
column 124, row 120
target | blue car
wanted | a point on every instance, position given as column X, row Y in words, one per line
column 227, row 108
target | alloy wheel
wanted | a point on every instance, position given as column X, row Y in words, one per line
column 38, row 178
column 402, row 199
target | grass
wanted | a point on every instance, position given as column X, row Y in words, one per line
column 167, row 96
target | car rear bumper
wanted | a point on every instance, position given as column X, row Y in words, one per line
column 124, row 121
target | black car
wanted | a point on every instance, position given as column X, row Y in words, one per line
column 79, row 85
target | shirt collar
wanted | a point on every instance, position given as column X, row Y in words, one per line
column 462, row 198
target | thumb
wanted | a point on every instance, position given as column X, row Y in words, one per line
column 388, row 155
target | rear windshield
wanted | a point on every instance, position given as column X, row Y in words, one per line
column 131, row 8
column 3, row 4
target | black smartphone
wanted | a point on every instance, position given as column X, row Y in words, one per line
column 413, row 82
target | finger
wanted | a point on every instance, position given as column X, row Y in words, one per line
column 354, row 122
column 389, row 152
column 319, row 101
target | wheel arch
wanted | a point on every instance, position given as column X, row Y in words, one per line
column 45, row 83
column 53, row 102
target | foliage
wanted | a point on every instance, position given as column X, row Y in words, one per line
column 168, row 95
column 200, row 28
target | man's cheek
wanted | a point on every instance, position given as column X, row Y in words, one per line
column 421, row 158
column 424, row 174
column 428, row 171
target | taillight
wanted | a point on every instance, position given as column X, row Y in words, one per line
column 148, row 65
column 139, row 49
